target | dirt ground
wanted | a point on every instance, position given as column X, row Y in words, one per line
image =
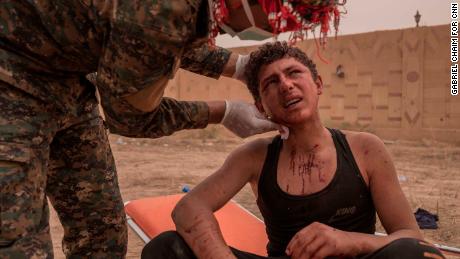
column 428, row 173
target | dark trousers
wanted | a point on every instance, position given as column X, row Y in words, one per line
column 170, row 245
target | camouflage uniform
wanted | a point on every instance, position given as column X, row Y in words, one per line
column 52, row 139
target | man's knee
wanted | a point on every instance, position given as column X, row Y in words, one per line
column 168, row 245
column 409, row 248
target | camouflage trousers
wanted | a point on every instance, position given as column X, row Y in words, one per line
column 60, row 151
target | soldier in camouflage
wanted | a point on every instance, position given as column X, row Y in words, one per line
column 53, row 142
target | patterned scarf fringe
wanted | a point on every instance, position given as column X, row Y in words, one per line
column 298, row 16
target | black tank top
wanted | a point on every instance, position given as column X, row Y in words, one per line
column 345, row 203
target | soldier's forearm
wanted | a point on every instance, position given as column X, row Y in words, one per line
column 216, row 111
column 170, row 116
column 229, row 68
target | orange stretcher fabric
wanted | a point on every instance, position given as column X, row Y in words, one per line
column 240, row 228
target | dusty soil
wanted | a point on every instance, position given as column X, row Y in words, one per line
column 428, row 172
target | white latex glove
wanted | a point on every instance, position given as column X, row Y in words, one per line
column 240, row 67
column 245, row 120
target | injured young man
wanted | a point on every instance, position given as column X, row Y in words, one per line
column 319, row 189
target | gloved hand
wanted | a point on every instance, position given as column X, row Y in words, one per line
column 245, row 120
column 240, row 66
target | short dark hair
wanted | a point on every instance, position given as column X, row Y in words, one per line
column 269, row 53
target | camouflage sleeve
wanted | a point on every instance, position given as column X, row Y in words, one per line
column 145, row 42
column 170, row 116
column 208, row 61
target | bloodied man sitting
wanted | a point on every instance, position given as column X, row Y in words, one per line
column 318, row 190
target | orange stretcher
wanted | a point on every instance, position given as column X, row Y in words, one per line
column 149, row 217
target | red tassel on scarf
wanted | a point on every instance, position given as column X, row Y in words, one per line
column 282, row 17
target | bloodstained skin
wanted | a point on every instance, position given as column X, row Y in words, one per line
column 310, row 165
column 193, row 227
column 320, row 174
column 292, row 162
column 305, row 167
column 303, row 185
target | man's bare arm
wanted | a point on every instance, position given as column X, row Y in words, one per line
column 194, row 216
column 230, row 67
column 216, row 111
column 392, row 206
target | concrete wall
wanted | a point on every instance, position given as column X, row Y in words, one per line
column 396, row 84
